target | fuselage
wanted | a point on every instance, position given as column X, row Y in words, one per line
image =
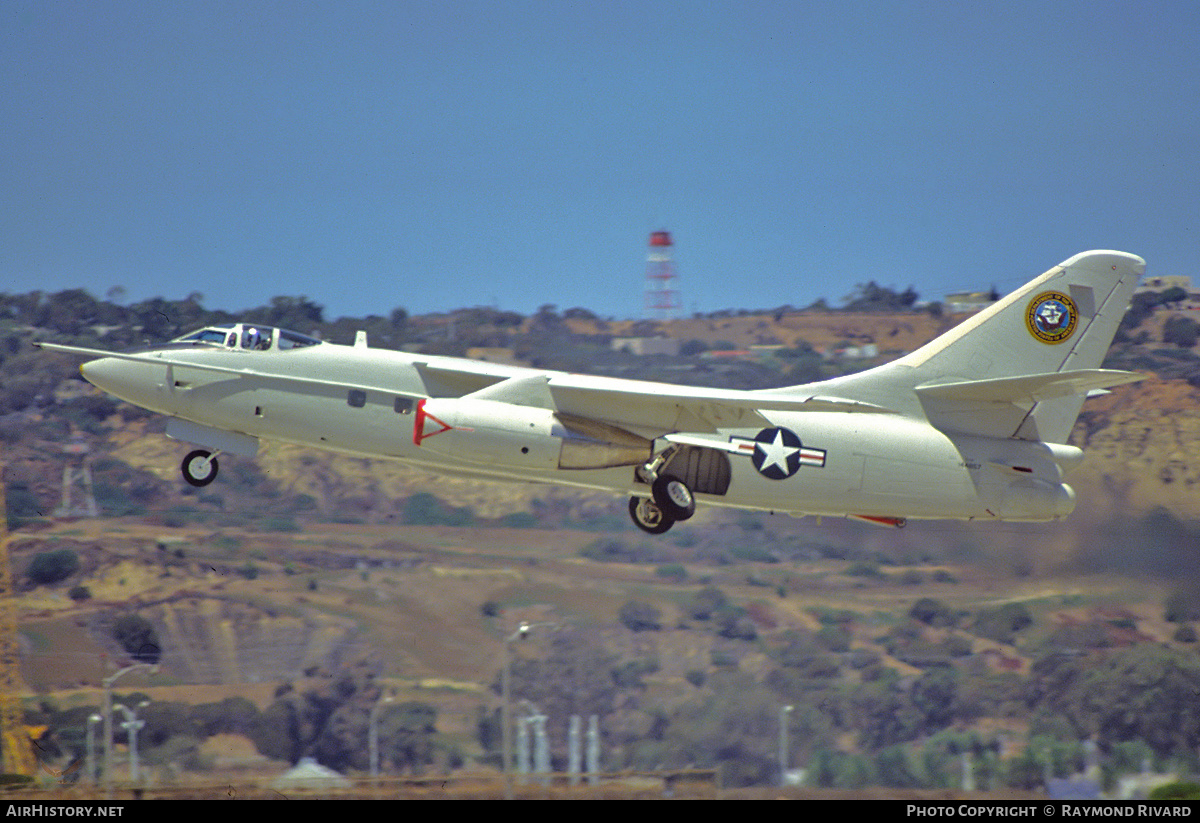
column 422, row 410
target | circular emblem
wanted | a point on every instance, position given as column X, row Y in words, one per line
column 1051, row 317
column 776, row 453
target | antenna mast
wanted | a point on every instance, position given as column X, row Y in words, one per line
column 662, row 298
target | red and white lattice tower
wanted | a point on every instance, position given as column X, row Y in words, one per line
column 662, row 298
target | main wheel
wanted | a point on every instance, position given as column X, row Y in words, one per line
column 648, row 517
column 199, row 468
column 674, row 497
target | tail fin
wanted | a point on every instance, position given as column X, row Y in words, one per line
column 1023, row 366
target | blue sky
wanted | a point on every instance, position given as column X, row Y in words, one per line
column 433, row 155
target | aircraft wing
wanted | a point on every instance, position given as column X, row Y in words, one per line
column 657, row 407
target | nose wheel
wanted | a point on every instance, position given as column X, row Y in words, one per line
column 200, row 468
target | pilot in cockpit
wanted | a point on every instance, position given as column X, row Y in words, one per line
column 252, row 338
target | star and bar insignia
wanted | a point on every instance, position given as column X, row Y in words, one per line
column 777, row 453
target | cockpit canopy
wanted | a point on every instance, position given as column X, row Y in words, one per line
column 247, row 336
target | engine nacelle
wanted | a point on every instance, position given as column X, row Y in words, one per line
column 495, row 433
column 1033, row 499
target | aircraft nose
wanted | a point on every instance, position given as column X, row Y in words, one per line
column 107, row 373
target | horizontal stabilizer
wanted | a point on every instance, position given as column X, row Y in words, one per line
column 1030, row 388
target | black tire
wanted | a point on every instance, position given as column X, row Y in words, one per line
column 648, row 517
column 674, row 497
column 199, row 468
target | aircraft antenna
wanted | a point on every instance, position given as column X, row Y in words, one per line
column 662, row 298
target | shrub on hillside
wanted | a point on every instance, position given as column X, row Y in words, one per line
column 137, row 636
column 51, row 567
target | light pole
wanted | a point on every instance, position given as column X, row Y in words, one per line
column 91, row 747
column 108, row 719
column 373, row 733
column 505, row 709
column 132, row 725
column 784, row 711
column 505, row 718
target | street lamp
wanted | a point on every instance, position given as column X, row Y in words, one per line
column 505, row 710
column 132, row 725
column 91, row 747
column 108, row 710
column 784, row 711
column 373, row 733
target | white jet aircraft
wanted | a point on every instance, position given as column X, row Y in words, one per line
column 972, row 425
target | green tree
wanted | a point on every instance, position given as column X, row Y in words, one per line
column 1182, row 331
column 934, row 696
column 833, row 769
column 896, row 769
column 1178, row 790
column 328, row 720
column 932, row 612
column 1145, row 693
column 232, row 715
column 23, row 505
column 873, row 297
column 410, row 729
column 1002, row 623
column 881, row 713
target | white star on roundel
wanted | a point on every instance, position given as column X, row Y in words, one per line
column 776, row 457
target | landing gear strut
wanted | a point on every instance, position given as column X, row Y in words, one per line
column 670, row 499
column 200, row 468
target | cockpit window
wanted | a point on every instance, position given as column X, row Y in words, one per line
column 295, row 340
column 215, row 336
column 249, row 337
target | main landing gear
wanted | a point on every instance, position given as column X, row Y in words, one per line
column 200, row 468
column 670, row 501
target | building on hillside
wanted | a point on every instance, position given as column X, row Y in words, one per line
column 969, row 302
column 1166, row 282
column 642, row 346
column 494, row 354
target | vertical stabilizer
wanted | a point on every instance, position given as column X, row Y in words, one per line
column 1055, row 328
column 1063, row 320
